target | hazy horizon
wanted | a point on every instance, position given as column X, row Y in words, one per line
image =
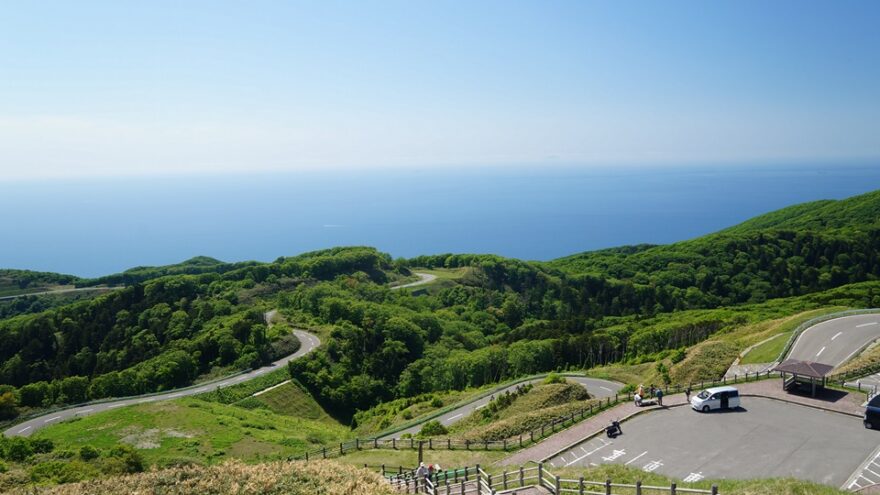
column 101, row 89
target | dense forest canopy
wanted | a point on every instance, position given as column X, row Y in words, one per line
column 499, row 318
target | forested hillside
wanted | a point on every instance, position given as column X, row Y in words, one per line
column 161, row 333
column 497, row 319
column 13, row 282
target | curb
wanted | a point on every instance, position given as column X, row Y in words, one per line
column 597, row 433
column 643, row 411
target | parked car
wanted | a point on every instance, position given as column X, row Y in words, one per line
column 716, row 398
column 872, row 413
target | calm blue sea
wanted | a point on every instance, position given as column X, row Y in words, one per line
column 97, row 227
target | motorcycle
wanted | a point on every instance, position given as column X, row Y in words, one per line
column 613, row 430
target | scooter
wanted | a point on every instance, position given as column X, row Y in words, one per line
column 613, row 430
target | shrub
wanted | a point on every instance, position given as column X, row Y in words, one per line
column 436, row 402
column 554, row 378
column 125, row 459
column 87, row 453
column 17, row 449
column 42, row 445
column 433, row 428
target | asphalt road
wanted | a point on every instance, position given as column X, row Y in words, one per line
column 836, row 341
column 309, row 343
column 595, row 386
column 424, row 278
column 764, row 439
column 61, row 291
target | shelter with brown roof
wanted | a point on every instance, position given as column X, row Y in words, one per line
column 796, row 373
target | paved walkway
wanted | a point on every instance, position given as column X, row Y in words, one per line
column 832, row 400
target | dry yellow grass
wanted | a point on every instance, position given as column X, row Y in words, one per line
column 233, row 478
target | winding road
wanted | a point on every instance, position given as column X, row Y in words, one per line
column 309, row 343
column 836, row 341
column 596, row 387
column 60, row 291
column 424, row 278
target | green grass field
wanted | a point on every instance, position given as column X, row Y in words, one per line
column 193, row 430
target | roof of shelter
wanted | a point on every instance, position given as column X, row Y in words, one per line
column 804, row 368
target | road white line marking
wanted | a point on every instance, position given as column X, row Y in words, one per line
column 576, row 459
column 820, row 352
column 838, row 334
column 51, row 419
column 174, row 395
column 26, row 428
column 112, row 406
column 605, row 388
column 634, row 459
column 484, row 405
column 84, row 411
column 146, row 400
column 456, row 416
column 866, row 324
column 260, row 372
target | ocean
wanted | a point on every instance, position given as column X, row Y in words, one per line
column 96, row 227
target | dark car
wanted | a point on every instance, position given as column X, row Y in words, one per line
column 872, row 412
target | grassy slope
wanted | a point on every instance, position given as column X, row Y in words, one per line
column 540, row 405
column 291, row 399
column 287, row 478
column 195, row 430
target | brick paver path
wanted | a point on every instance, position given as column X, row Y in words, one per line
column 831, row 400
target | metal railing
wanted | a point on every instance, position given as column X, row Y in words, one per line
column 819, row 319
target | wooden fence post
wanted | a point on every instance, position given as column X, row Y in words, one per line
column 383, row 469
column 608, row 486
column 639, row 487
column 307, row 457
column 375, row 443
column 581, row 486
column 504, row 479
column 340, row 450
column 325, row 452
column 714, row 489
column 672, row 489
column 521, row 478
column 448, row 444
column 540, row 474
column 556, row 488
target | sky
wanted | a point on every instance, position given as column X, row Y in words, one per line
column 105, row 89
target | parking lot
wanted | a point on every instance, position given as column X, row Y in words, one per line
column 763, row 439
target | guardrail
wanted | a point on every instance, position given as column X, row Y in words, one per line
column 819, row 319
column 476, row 480
column 515, row 442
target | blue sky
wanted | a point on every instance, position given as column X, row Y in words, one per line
column 130, row 88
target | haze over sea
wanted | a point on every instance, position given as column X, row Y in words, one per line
column 95, row 227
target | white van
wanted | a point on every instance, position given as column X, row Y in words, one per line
column 716, row 398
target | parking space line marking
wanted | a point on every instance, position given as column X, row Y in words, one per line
column 576, row 459
column 872, row 472
column 820, row 351
column 838, row 334
column 866, row 324
column 634, row 459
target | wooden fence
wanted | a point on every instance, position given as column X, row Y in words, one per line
column 476, row 480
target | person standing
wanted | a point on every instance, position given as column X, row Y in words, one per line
column 660, row 397
column 421, row 474
column 687, row 394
